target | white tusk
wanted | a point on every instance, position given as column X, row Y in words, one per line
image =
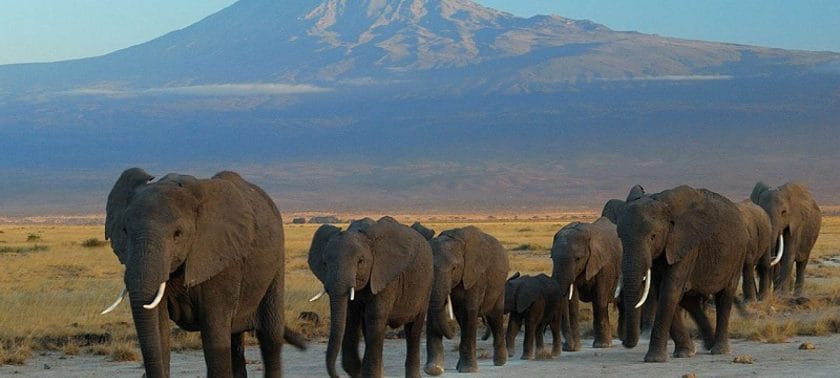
column 449, row 307
column 352, row 293
column 779, row 250
column 617, row 289
column 647, row 280
column 116, row 303
column 158, row 297
column 317, row 296
column 571, row 291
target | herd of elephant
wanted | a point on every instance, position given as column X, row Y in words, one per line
column 211, row 251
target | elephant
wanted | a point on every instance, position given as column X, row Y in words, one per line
column 796, row 220
column 207, row 254
column 470, row 273
column 691, row 243
column 534, row 301
column 427, row 233
column 377, row 274
column 758, row 251
column 586, row 264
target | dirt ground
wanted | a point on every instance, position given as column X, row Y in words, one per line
column 769, row 360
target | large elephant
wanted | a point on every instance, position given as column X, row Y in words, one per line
column 377, row 274
column 796, row 220
column 690, row 243
column 758, row 257
column 206, row 253
column 586, row 264
column 535, row 302
column 470, row 273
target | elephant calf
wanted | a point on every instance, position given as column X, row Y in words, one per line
column 758, row 250
column 533, row 300
column 587, row 263
column 470, row 271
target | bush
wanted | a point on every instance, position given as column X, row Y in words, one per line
column 299, row 221
column 528, row 247
column 94, row 243
column 33, row 237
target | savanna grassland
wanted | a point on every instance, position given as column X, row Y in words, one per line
column 58, row 278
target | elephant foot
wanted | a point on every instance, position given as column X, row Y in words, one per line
column 500, row 359
column 467, row 367
column 684, row 352
column 571, row 347
column 652, row 356
column 555, row 349
column 602, row 344
column 528, row 356
column 720, row 348
column 433, row 369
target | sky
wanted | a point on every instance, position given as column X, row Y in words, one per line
column 51, row 30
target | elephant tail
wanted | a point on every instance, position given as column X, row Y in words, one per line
column 295, row 339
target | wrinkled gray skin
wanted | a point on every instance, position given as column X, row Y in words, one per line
column 587, row 255
column 794, row 214
column 427, row 233
column 390, row 267
column 535, row 302
column 612, row 210
column 218, row 244
column 694, row 241
column 470, row 268
column 757, row 259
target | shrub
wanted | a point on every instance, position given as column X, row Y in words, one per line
column 528, row 247
column 94, row 243
column 33, row 237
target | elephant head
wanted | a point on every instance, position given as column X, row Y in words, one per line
column 783, row 205
column 578, row 249
column 177, row 226
column 670, row 223
column 612, row 209
column 457, row 261
column 366, row 255
column 427, row 233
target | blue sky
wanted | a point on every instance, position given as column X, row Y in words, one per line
column 49, row 30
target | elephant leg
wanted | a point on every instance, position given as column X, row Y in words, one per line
column 165, row 330
column 468, row 319
column 763, row 270
column 375, row 320
column 533, row 321
column 434, row 351
column 748, row 282
column 683, row 345
column 670, row 293
column 601, row 323
column 495, row 323
column 351, row 362
column 723, row 308
column 237, row 355
column 694, row 305
column 800, row 277
column 216, row 342
column 270, row 331
column 649, row 310
column 555, row 325
column 514, row 324
column 572, row 343
column 413, row 332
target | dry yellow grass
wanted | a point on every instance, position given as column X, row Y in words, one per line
column 52, row 295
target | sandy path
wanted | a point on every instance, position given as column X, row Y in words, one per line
column 771, row 360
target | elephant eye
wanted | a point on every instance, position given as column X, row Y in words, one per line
column 652, row 236
column 177, row 234
column 124, row 230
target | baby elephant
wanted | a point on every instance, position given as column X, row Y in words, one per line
column 533, row 300
column 587, row 263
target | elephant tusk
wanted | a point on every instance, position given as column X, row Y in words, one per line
column 158, row 297
column 779, row 251
column 449, row 307
column 647, row 280
column 571, row 291
column 317, row 296
column 117, row 302
column 618, row 288
column 352, row 293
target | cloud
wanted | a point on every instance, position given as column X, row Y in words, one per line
column 212, row 90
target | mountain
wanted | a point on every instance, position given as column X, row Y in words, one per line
column 418, row 103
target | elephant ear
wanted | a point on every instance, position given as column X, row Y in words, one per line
column 118, row 200
column 686, row 231
column 225, row 228
column 317, row 250
column 477, row 248
column 598, row 252
column 636, row 192
column 527, row 292
column 758, row 189
column 394, row 248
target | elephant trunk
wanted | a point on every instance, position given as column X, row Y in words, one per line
column 146, row 322
column 564, row 273
column 338, row 320
column 630, row 295
column 438, row 314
